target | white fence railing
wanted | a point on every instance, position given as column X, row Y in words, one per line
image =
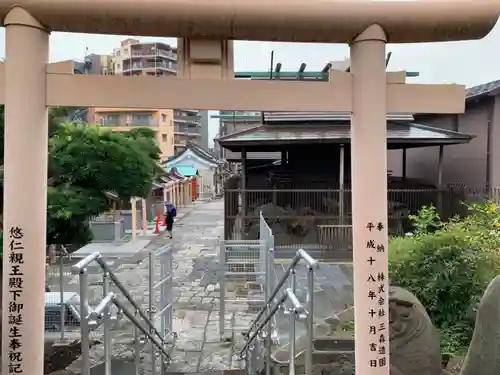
column 151, row 327
column 248, row 265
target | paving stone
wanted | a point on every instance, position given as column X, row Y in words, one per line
column 196, row 292
column 185, row 361
column 216, row 357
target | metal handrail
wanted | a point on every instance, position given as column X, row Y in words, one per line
column 102, row 311
column 300, row 255
column 97, row 257
column 111, row 299
column 298, row 311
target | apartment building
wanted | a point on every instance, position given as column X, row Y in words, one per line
column 204, row 134
column 159, row 59
column 136, row 58
column 122, row 120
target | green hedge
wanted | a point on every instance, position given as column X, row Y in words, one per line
column 448, row 266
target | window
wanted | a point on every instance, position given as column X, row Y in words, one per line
column 164, row 137
column 141, row 120
column 163, row 117
column 111, row 120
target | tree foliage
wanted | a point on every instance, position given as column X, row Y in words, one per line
column 97, row 159
column 86, row 163
column 448, row 266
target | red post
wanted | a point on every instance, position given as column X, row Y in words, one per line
column 158, row 217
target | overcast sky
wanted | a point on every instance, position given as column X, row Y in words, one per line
column 469, row 63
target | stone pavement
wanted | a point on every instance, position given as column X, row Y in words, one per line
column 132, row 271
column 199, row 347
column 196, row 311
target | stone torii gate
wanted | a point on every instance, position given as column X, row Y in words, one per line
column 28, row 85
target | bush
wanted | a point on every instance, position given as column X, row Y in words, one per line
column 448, row 266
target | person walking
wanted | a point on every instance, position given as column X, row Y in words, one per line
column 171, row 214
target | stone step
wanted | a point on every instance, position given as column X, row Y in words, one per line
column 119, row 367
column 222, row 372
column 330, row 356
column 122, row 367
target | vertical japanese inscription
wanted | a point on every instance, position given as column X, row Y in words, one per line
column 15, row 309
column 377, row 296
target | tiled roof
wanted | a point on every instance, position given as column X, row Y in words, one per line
column 198, row 151
column 338, row 132
column 202, row 153
column 483, row 90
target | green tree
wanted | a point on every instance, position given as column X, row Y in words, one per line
column 146, row 138
column 86, row 164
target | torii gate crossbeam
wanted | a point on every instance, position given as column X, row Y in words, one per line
column 29, row 85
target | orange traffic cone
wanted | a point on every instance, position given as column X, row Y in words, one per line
column 157, row 229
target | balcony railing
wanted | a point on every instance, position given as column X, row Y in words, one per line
column 112, row 123
column 187, row 130
column 189, row 113
column 187, row 120
column 154, row 53
column 149, row 65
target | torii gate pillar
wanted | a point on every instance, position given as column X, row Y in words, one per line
column 369, row 201
column 25, row 190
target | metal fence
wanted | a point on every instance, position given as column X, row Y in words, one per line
column 73, row 297
column 267, row 253
column 252, row 262
column 262, row 328
column 323, row 217
column 247, row 275
column 61, row 302
column 160, row 297
column 241, row 278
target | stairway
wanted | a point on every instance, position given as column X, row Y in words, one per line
column 333, row 347
column 330, row 356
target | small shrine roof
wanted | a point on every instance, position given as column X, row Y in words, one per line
column 400, row 134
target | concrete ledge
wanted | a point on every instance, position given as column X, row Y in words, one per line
column 112, row 249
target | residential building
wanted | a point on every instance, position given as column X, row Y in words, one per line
column 187, row 128
column 95, row 64
column 204, row 133
column 121, row 120
column 153, row 59
column 136, row 58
